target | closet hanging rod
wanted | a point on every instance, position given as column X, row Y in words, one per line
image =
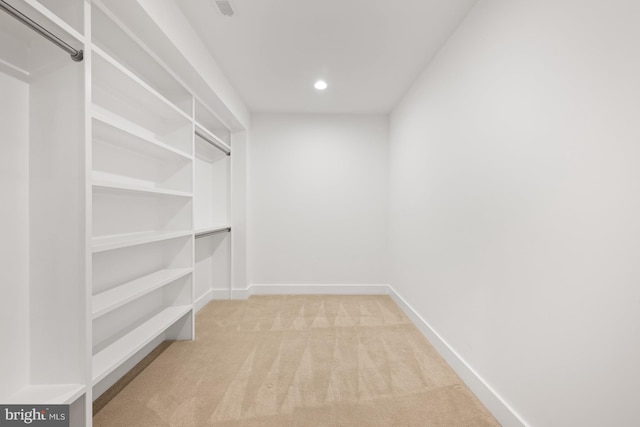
column 212, row 142
column 76, row 55
column 209, row 233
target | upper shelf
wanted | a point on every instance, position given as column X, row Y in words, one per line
column 117, row 90
column 171, row 42
column 124, row 80
column 108, row 127
column 119, row 186
column 210, row 121
column 114, row 37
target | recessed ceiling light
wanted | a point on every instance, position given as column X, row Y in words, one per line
column 320, row 85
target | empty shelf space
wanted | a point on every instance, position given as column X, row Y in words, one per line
column 108, row 359
column 117, row 186
column 125, row 96
column 106, row 243
column 123, row 79
column 108, row 126
column 107, row 301
column 57, row 394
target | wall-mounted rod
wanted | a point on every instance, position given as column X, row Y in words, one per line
column 214, row 143
column 209, row 233
column 76, row 55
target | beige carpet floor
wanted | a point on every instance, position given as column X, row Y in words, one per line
column 303, row 361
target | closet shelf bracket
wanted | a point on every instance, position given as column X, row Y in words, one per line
column 76, row 55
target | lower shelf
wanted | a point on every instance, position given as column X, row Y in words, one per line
column 120, row 295
column 107, row 243
column 58, row 394
column 111, row 357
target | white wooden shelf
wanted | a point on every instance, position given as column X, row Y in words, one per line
column 109, row 126
column 118, row 296
column 58, row 394
column 111, row 357
column 117, row 81
column 107, row 243
column 117, row 186
column 116, row 38
column 117, row 90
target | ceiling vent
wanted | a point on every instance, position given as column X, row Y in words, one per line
column 225, row 7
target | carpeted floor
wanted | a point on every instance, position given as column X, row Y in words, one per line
column 298, row 361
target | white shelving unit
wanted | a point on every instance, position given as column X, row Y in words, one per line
column 142, row 191
column 211, row 208
column 43, row 325
column 111, row 34
column 135, row 104
column 113, row 208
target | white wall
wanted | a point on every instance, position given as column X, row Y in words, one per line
column 318, row 199
column 14, row 235
column 515, row 178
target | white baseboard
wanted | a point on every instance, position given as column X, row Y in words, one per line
column 303, row 290
column 219, row 294
column 202, row 301
column 505, row 415
column 259, row 289
column 240, row 293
